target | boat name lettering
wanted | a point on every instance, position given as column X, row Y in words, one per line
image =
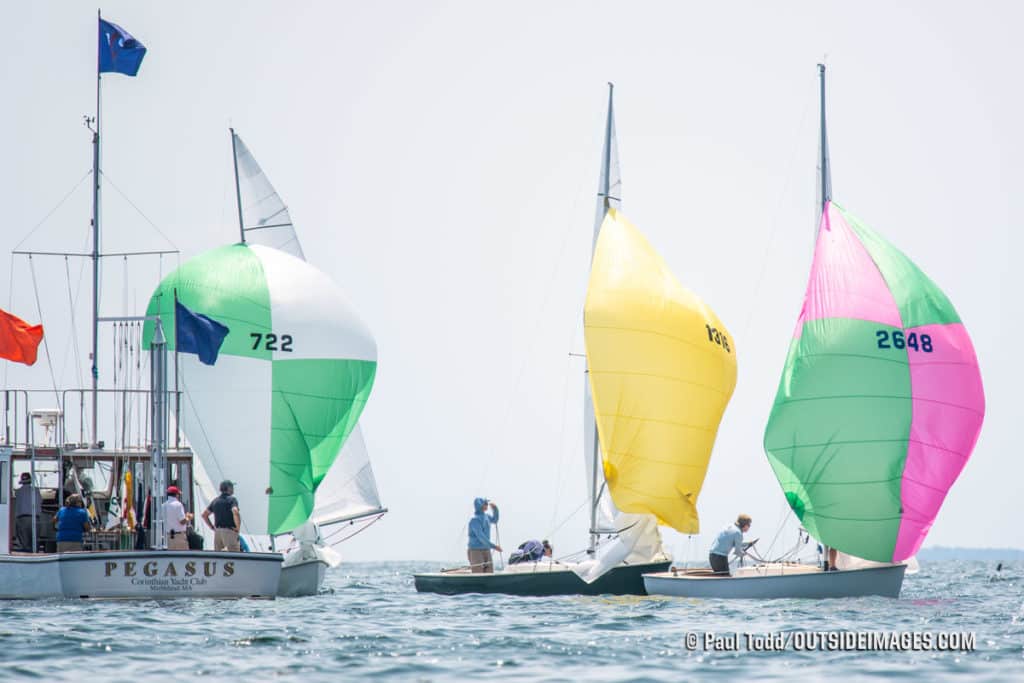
column 899, row 341
column 170, row 569
column 716, row 336
column 269, row 341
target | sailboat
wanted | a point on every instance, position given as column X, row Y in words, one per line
column 348, row 495
column 661, row 368
column 879, row 407
column 277, row 412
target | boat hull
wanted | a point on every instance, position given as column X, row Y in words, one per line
column 302, row 578
column 622, row 580
column 143, row 574
column 885, row 581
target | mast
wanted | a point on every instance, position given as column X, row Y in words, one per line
column 238, row 190
column 824, row 168
column 824, row 196
column 158, row 387
column 96, row 246
column 603, row 196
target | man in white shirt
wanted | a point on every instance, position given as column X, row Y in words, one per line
column 730, row 539
column 175, row 520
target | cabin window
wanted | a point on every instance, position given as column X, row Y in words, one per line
column 4, row 479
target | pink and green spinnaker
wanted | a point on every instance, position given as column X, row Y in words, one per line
column 880, row 402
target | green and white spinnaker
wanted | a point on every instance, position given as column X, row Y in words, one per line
column 288, row 387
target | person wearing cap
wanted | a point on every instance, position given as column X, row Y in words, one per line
column 28, row 504
column 479, row 550
column 175, row 520
column 226, row 519
column 730, row 539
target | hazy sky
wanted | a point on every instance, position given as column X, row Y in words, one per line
column 440, row 161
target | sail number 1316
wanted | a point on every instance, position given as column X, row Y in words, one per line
column 896, row 340
column 718, row 337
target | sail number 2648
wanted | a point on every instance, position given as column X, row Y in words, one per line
column 896, row 340
column 717, row 337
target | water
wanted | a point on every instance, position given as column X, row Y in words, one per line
column 374, row 625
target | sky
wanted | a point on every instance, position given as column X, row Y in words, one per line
column 440, row 161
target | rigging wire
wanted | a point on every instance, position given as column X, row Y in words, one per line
column 53, row 210
column 137, row 209
column 46, row 346
column 74, row 327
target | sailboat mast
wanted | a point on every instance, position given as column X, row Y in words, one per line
column 825, row 195
column 603, row 195
column 238, row 189
column 825, row 169
column 96, row 247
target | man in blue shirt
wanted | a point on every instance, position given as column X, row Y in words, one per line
column 480, row 537
column 730, row 539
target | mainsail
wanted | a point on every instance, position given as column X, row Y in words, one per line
column 290, row 383
column 880, row 402
column 662, row 370
column 349, row 491
column 263, row 215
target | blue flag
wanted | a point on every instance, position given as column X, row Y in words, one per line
column 119, row 52
column 198, row 334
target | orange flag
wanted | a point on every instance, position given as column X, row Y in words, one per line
column 19, row 341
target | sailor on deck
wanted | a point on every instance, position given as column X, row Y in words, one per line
column 730, row 539
column 28, row 503
column 176, row 520
column 480, row 537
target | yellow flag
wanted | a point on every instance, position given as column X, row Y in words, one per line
column 662, row 369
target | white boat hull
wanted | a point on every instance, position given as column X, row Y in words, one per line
column 780, row 581
column 302, row 578
column 143, row 574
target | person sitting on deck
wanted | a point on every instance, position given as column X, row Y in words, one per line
column 480, row 546
column 528, row 551
column 72, row 521
column 730, row 539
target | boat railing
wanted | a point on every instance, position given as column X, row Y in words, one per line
column 62, row 417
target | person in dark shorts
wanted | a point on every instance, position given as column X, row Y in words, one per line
column 226, row 519
column 730, row 539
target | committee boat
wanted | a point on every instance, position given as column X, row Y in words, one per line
column 661, row 368
column 879, row 407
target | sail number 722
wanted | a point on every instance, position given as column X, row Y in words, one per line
column 269, row 341
column 897, row 340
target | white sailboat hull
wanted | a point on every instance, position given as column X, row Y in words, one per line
column 302, row 578
column 140, row 574
column 780, row 581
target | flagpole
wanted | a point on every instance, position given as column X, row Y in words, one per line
column 96, row 241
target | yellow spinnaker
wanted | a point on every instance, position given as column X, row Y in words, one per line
column 662, row 369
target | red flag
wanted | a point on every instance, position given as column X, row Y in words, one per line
column 19, row 341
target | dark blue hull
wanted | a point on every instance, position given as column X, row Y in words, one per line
column 622, row 580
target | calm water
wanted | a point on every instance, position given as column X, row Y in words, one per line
column 374, row 625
